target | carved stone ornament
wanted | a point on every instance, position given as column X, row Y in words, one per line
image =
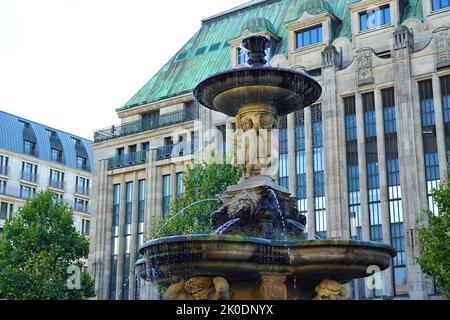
column 330, row 290
column 199, row 288
column 365, row 69
column 442, row 41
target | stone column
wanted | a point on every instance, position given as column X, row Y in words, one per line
column 382, row 174
column 273, row 287
column 365, row 221
column 412, row 167
column 311, row 222
column 334, row 156
column 120, row 256
column 173, row 182
column 134, row 232
column 150, row 193
column 106, row 230
column 440, row 131
column 291, row 155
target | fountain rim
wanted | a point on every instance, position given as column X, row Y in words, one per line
column 222, row 76
column 273, row 243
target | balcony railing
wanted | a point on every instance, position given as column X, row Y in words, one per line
column 30, row 177
column 127, row 160
column 175, row 150
column 3, row 170
column 83, row 191
column 81, row 208
column 176, row 117
column 15, row 192
column 56, row 184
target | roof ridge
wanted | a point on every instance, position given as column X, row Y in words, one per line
column 234, row 9
column 45, row 126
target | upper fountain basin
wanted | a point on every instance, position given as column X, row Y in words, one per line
column 286, row 90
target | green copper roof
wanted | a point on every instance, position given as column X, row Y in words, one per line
column 258, row 24
column 208, row 52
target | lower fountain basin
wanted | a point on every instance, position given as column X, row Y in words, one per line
column 239, row 258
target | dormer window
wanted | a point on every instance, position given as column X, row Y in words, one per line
column 29, row 147
column 309, row 36
column 440, row 4
column 372, row 19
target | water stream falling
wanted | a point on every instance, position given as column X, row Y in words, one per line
column 283, row 223
column 302, row 227
column 224, row 227
column 180, row 212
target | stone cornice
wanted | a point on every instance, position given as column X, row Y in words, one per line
column 307, row 20
column 366, row 4
column 156, row 105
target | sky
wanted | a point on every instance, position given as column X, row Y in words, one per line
column 69, row 64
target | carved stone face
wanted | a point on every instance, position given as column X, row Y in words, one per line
column 246, row 124
column 266, row 122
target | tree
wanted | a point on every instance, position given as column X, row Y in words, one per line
column 202, row 184
column 434, row 241
column 36, row 249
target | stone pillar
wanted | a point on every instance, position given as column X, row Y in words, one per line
column 291, row 155
column 173, row 182
column 273, row 287
column 440, row 131
column 311, row 222
column 412, row 167
column 334, row 154
column 134, row 240
column 365, row 221
column 100, row 238
column 120, row 256
column 150, row 193
column 384, row 196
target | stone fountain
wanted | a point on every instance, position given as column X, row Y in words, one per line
column 257, row 248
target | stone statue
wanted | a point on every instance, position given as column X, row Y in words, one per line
column 199, row 288
column 330, row 290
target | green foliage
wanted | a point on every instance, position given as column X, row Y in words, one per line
column 36, row 248
column 434, row 241
column 201, row 182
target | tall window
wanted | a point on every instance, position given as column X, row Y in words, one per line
column 141, row 212
column 440, row 4
column 127, row 239
column 320, row 213
column 3, row 165
column 166, row 195
column 82, row 163
column 56, row 179
column 29, row 147
column 284, row 171
column 82, row 185
column 394, row 190
column 180, row 183
column 27, row 192
column 432, row 174
column 445, row 96
column 85, row 227
column 81, row 205
column 301, row 161
column 6, row 210
column 310, row 36
column 354, row 194
column 29, row 171
column 373, row 180
column 375, row 18
column 115, row 242
column 56, row 155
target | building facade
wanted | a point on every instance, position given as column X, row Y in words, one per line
column 34, row 157
column 362, row 160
